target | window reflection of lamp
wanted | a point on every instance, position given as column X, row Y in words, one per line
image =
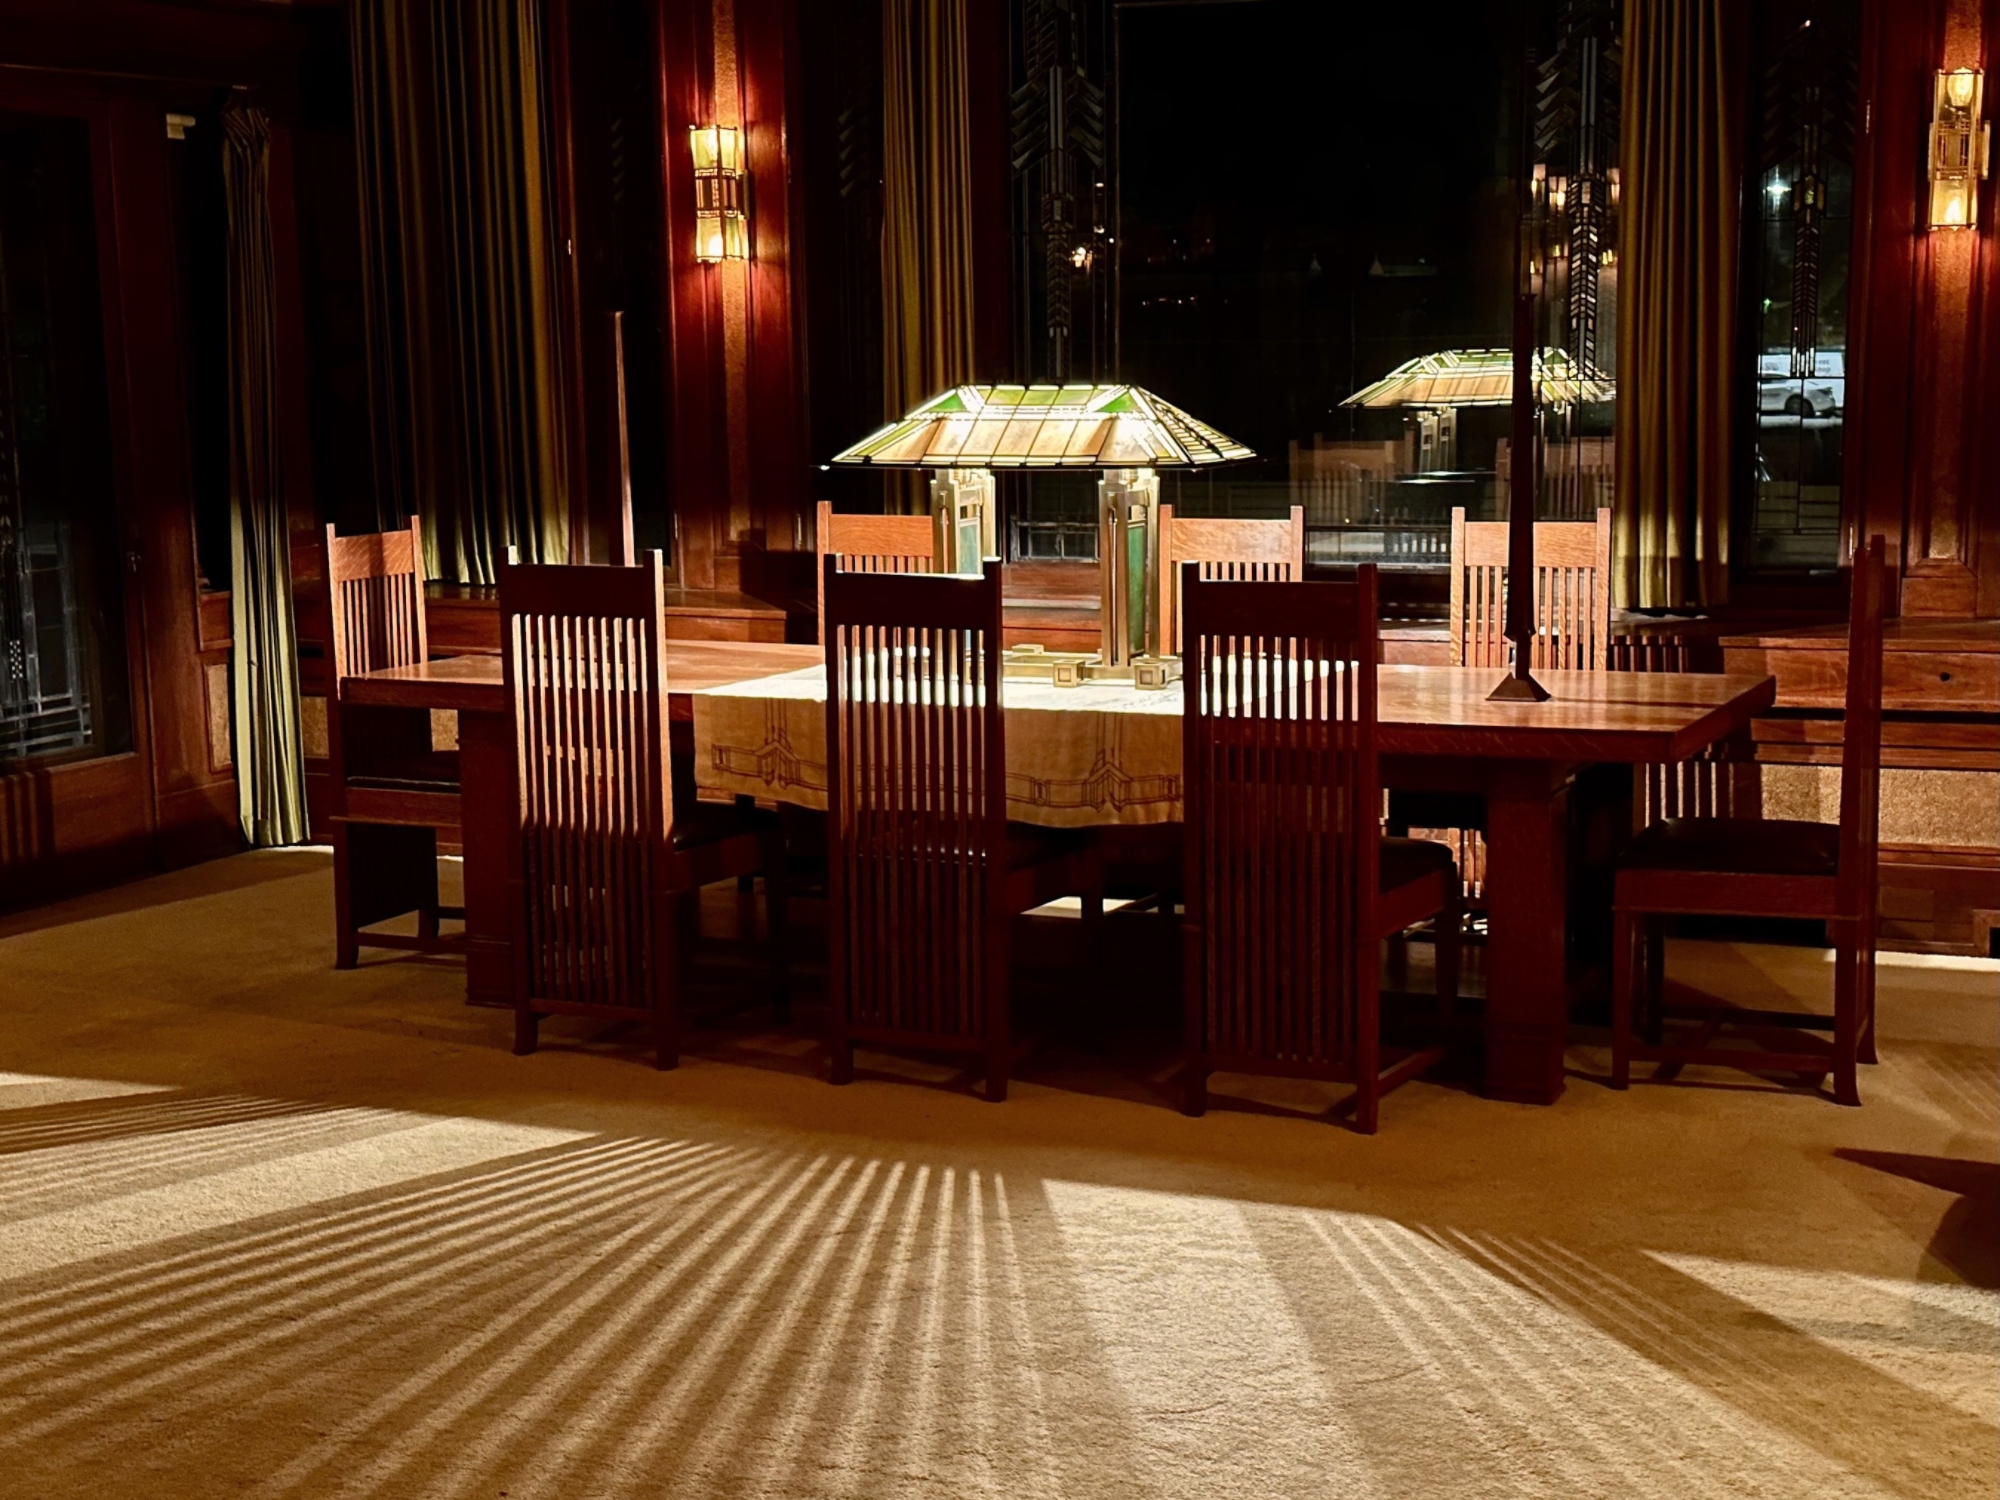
column 721, row 223
column 1961, row 148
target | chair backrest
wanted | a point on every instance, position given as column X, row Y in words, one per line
column 375, row 588
column 916, row 827
column 1572, row 592
column 1283, row 820
column 584, row 652
column 1236, row 550
column 873, row 544
column 1861, row 733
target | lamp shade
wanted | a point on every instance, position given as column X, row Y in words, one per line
column 1045, row 427
column 1481, row 377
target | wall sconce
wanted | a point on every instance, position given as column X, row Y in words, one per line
column 1961, row 148
column 721, row 222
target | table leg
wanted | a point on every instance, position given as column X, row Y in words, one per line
column 1527, row 961
column 483, row 750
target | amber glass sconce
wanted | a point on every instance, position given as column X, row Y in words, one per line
column 721, row 223
column 1961, row 148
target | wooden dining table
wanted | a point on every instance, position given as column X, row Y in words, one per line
column 1105, row 754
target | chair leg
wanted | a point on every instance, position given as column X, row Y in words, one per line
column 996, row 1076
column 1625, row 938
column 1367, row 1104
column 777, row 927
column 1448, row 930
column 1846, row 1016
column 427, row 923
column 1864, row 971
column 842, row 1068
column 527, row 1025
column 666, row 1039
column 1656, row 980
column 1094, row 960
column 346, row 943
column 1194, row 1091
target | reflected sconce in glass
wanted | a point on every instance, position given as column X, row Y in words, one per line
column 721, row 219
column 1961, row 148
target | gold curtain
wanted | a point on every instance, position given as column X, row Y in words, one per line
column 457, row 252
column 926, row 206
column 264, row 659
column 1681, row 182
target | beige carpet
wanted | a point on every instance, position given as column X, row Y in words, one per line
column 268, row 1230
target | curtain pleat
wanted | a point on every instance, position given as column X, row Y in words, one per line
column 457, row 246
column 269, row 749
column 926, row 205
column 1681, row 184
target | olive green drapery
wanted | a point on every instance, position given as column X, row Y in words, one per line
column 264, row 662
column 926, row 204
column 457, row 264
column 1681, row 183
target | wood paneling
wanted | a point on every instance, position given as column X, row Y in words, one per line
column 1925, row 347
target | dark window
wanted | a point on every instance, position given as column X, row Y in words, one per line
column 62, row 661
column 1312, row 214
column 1799, row 235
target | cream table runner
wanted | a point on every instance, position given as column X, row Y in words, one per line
column 1077, row 757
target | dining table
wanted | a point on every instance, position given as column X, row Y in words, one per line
column 1101, row 754
column 1106, row 753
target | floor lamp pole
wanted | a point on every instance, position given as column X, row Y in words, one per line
column 1519, row 685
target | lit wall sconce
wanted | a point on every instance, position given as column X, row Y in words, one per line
column 721, row 218
column 1961, row 148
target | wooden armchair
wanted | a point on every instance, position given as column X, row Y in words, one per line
column 1244, row 551
column 600, row 854
column 872, row 544
column 1572, row 593
column 1290, row 886
column 1752, row 867
column 925, row 874
column 392, row 794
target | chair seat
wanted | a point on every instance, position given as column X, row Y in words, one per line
column 1737, row 846
column 428, row 771
column 697, row 823
column 1407, row 860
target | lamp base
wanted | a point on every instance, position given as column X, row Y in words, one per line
column 1074, row 668
column 1514, row 689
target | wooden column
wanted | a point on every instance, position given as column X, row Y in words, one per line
column 735, row 387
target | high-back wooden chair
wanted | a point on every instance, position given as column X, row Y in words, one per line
column 599, row 853
column 1754, row 867
column 391, row 792
column 1572, row 592
column 1289, row 884
column 924, row 872
column 1225, row 548
column 872, row 544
